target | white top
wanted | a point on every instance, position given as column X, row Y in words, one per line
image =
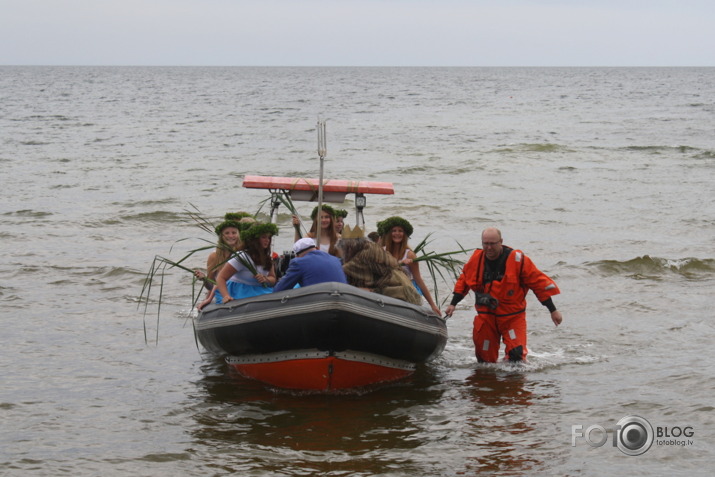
column 406, row 268
column 243, row 274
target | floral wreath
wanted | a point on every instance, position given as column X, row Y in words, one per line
column 257, row 229
column 326, row 208
column 246, row 223
column 341, row 213
column 226, row 224
column 385, row 226
column 237, row 216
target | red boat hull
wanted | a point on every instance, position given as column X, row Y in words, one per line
column 324, row 337
column 330, row 373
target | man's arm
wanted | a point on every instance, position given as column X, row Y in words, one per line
column 291, row 278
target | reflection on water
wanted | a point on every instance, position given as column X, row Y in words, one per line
column 420, row 426
column 493, row 388
column 283, row 432
column 509, row 438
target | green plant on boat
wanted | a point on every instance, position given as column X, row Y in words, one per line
column 444, row 264
column 281, row 197
column 160, row 266
column 157, row 271
column 202, row 222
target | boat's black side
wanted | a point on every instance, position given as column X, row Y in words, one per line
column 330, row 317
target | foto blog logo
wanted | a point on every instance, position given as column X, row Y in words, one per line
column 633, row 435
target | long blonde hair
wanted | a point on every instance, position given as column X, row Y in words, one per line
column 224, row 250
column 397, row 250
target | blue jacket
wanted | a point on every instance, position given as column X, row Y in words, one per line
column 314, row 267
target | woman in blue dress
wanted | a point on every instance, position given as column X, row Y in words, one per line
column 250, row 271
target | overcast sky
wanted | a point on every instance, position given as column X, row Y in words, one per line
column 358, row 32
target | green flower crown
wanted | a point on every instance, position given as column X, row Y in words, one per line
column 341, row 213
column 326, row 208
column 236, row 215
column 244, row 224
column 257, row 229
column 225, row 224
column 385, row 226
column 233, row 219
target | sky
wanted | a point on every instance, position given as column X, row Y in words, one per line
column 358, row 32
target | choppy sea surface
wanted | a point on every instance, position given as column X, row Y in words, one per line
column 603, row 176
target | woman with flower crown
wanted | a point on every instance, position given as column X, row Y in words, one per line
column 340, row 215
column 229, row 239
column 394, row 233
column 328, row 234
column 250, row 270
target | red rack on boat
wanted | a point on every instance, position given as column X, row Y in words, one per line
column 302, row 188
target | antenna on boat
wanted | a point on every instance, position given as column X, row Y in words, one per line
column 322, row 151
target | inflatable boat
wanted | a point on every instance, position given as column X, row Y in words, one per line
column 325, row 337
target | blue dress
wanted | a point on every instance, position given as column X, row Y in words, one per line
column 242, row 284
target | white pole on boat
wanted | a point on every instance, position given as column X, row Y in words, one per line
column 322, row 151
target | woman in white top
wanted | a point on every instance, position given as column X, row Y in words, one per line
column 250, row 271
column 394, row 233
column 328, row 235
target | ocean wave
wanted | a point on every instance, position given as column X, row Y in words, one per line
column 661, row 149
column 8, row 294
column 94, row 271
column 656, row 268
column 161, row 216
column 709, row 154
column 28, row 213
column 534, row 147
column 34, row 143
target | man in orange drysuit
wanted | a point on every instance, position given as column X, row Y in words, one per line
column 501, row 277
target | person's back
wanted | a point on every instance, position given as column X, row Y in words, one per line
column 309, row 267
column 318, row 267
column 368, row 266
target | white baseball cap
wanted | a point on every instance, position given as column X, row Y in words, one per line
column 303, row 244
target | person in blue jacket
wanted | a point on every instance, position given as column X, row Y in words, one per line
column 310, row 266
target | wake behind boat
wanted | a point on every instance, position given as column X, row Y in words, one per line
column 324, row 337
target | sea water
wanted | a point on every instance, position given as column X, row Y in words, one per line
column 603, row 176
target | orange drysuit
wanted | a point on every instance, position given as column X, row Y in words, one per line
column 508, row 320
